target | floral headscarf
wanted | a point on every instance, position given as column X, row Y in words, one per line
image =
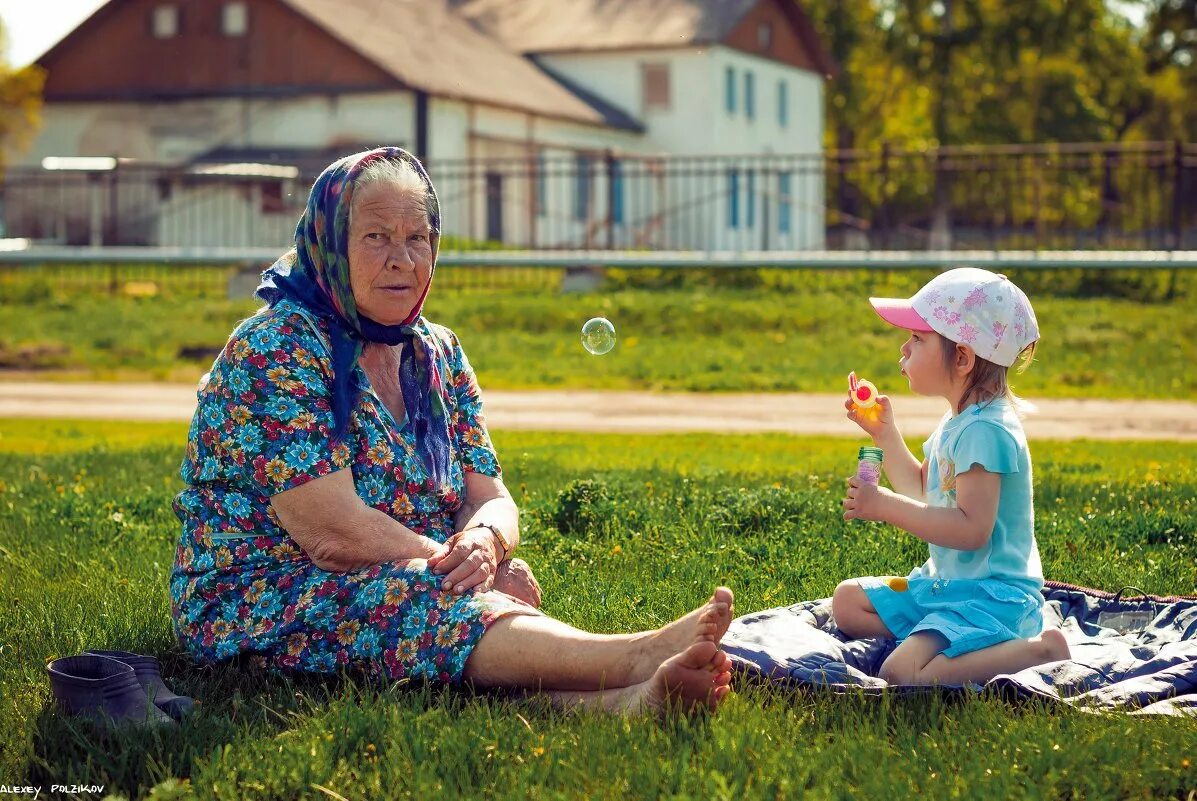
column 316, row 274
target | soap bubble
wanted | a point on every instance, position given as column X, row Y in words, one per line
column 598, row 336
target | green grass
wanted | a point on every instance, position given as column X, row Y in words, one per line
column 750, row 331
column 624, row 533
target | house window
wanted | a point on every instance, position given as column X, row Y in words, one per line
column 783, row 104
column 783, row 202
column 234, row 19
column 273, row 198
column 764, row 36
column 616, row 193
column 582, row 188
column 729, row 90
column 655, row 86
column 733, row 198
column 750, row 206
column 749, row 95
column 164, row 21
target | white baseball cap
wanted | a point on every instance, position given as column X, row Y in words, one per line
column 969, row 306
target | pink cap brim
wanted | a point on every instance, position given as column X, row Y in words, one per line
column 898, row 312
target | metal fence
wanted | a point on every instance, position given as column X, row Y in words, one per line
column 1058, row 196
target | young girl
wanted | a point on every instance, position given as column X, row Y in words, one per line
column 974, row 610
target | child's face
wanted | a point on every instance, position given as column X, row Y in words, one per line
column 922, row 363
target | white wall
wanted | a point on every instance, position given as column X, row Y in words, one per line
column 318, row 121
column 698, row 123
column 190, row 216
column 178, row 132
column 153, row 132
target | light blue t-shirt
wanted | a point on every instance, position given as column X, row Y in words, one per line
column 989, row 435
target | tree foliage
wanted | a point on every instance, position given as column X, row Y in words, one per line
column 927, row 72
column 20, row 104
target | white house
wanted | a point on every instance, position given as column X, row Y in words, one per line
column 543, row 122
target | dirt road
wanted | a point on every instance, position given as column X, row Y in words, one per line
column 643, row 412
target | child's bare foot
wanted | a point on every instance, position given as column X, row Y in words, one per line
column 1054, row 645
column 707, row 623
column 698, row 676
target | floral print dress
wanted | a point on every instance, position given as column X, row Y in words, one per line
column 241, row 586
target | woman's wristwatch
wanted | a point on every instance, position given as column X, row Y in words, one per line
column 504, row 543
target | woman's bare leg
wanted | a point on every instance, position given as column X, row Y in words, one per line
column 540, row 653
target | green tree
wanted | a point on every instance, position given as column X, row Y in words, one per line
column 20, row 103
column 1169, row 49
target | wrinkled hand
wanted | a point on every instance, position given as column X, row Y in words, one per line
column 865, row 501
column 875, row 420
column 515, row 578
column 468, row 560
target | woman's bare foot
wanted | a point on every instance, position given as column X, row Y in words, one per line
column 698, row 676
column 707, row 623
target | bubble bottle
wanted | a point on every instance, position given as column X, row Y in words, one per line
column 869, row 469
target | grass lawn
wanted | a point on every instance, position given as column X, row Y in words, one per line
column 755, row 331
column 624, row 533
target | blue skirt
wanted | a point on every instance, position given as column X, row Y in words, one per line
column 970, row 614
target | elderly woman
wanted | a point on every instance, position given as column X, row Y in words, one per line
column 345, row 506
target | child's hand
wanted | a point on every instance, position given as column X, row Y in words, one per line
column 865, row 501
column 875, row 420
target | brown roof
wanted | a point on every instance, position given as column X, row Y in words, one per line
column 417, row 44
column 426, row 47
column 546, row 26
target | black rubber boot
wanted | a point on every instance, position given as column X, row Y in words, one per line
column 149, row 674
column 94, row 686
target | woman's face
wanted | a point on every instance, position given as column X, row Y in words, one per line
column 390, row 251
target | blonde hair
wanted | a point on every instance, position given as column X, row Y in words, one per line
column 988, row 381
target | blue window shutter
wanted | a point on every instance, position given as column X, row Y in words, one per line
column 783, row 202
column 749, row 95
column 729, row 85
column 783, row 99
column 750, row 210
column 733, row 198
column 616, row 192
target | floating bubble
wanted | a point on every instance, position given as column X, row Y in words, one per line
column 598, row 335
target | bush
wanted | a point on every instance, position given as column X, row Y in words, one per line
column 583, row 507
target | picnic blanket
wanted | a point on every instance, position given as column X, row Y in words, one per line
column 1135, row 654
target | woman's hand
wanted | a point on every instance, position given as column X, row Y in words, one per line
column 877, row 421
column 865, row 501
column 515, row 578
column 469, row 560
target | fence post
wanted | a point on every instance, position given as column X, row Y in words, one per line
column 534, row 199
column 1178, row 189
column 95, row 233
column 882, row 214
column 609, row 160
column 1040, row 168
column 765, row 194
column 114, row 207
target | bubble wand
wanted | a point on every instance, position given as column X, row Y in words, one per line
column 864, row 397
